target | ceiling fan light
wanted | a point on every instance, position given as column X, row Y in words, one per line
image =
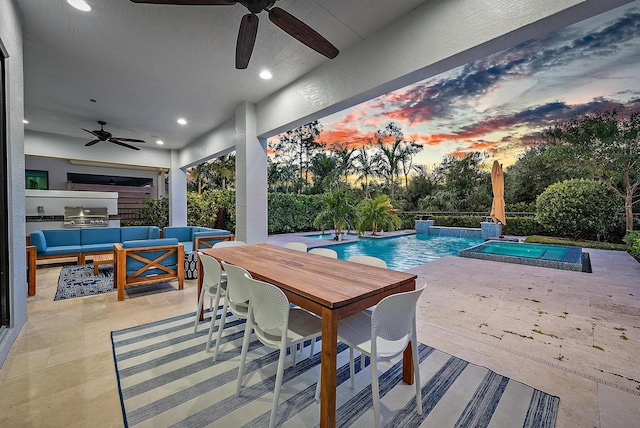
column 80, row 5
column 266, row 74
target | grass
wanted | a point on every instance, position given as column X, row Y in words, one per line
column 538, row 239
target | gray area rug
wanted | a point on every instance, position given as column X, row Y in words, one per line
column 79, row 281
column 166, row 379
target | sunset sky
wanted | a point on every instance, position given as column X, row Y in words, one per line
column 500, row 103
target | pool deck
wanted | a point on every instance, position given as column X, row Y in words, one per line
column 559, row 331
column 571, row 334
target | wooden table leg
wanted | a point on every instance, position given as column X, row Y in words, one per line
column 31, row 265
column 407, row 365
column 328, row 368
column 200, row 275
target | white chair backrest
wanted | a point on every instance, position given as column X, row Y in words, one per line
column 212, row 271
column 299, row 246
column 368, row 260
column 327, row 252
column 238, row 292
column 222, row 244
column 392, row 320
column 269, row 309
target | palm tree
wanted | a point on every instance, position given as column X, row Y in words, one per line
column 365, row 167
column 376, row 214
column 338, row 213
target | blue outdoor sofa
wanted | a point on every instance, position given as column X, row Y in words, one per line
column 59, row 243
column 196, row 238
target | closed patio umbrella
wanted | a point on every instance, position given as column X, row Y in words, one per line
column 497, row 184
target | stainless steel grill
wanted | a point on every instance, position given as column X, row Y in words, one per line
column 86, row 217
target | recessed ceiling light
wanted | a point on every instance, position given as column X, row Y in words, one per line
column 80, row 5
column 159, row 142
column 182, row 121
column 266, row 74
column 25, row 121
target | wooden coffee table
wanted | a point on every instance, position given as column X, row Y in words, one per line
column 101, row 259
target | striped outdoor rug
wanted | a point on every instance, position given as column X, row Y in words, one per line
column 166, row 379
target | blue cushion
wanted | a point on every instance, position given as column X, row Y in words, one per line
column 92, row 248
column 37, row 239
column 211, row 232
column 188, row 246
column 181, row 233
column 134, row 233
column 63, row 249
column 99, row 235
column 133, row 265
column 61, row 237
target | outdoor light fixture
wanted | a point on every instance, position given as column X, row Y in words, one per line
column 80, row 5
column 25, row 121
column 182, row 121
column 159, row 142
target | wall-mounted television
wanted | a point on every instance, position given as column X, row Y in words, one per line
column 34, row 179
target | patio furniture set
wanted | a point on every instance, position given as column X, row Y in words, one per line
column 140, row 254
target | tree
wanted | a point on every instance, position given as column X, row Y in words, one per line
column 407, row 152
column 325, row 173
column 607, row 145
column 388, row 155
column 365, row 168
column 376, row 214
column 298, row 146
column 466, row 186
column 338, row 213
column 344, row 157
column 223, row 170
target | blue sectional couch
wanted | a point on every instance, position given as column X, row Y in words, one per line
column 196, row 238
column 57, row 243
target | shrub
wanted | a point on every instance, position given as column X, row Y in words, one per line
column 522, row 226
column 293, row 213
column 579, row 209
column 633, row 244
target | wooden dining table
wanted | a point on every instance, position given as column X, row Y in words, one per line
column 332, row 289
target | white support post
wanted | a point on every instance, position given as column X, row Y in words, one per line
column 251, row 177
column 177, row 192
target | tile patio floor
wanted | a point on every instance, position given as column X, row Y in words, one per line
column 574, row 335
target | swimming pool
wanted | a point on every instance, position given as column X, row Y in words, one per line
column 330, row 236
column 405, row 252
column 552, row 256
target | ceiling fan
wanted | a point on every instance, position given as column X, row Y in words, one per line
column 249, row 26
column 103, row 135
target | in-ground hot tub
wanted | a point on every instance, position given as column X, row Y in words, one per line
column 551, row 256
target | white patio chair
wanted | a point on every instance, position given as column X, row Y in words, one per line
column 368, row 260
column 277, row 326
column 326, row 252
column 223, row 244
column 214, row 286
column 236, row 301
column 298, row 246
column 383, row 335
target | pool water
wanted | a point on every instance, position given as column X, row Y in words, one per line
column 405, row 252
column 538, row 251
column 326, row 236
column 552, row 256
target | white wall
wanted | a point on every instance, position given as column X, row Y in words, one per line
column 11, row 44
column 63, row 147
column 58, row 169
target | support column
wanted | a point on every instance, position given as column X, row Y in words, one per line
column 177, row 192
column 251, row 177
